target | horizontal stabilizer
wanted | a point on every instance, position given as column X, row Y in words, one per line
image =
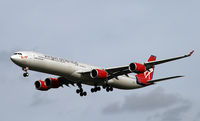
column 162, row 79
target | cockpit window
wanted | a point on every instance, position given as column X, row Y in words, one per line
column 17, row 53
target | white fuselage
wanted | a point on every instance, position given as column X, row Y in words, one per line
column 68, row 69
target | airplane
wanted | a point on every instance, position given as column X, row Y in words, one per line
column 75, row 73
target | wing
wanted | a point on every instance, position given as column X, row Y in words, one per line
column 117, row 71
column 152, row 63
column 124, row 70
column 111, row 72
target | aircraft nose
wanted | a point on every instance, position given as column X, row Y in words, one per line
column 13, row 58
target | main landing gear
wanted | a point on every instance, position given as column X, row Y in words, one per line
column 26, row 72
column 95, row 89
column 80, row 90
column 108, row 87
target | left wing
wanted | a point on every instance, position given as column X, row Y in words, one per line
column 109, row 73
column 117, row 71
column 153, row 63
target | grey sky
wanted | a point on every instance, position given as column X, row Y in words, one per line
column 104, row 33
column 154, row 100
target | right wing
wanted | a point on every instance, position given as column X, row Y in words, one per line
column 112, row 72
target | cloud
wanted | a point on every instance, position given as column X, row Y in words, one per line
column 197, row 117
column 154, row 100
column 40, row 99
column 177, row 113
column 169, row 107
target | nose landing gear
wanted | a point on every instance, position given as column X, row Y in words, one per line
column 26, row 72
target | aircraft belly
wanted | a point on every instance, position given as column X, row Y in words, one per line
column 124, row 83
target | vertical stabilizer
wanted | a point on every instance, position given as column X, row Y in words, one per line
column 143, row 78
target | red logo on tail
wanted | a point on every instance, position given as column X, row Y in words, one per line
column 143, row 78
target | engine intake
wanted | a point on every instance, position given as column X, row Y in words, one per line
column 97, row 73
column 137, row 67
column 40, row 85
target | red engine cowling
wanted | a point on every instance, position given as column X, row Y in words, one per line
column 53, row 83
column 137, row 67
column 40, row 85
column 97, row 73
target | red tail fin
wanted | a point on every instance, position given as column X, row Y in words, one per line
column 152, row 58
column 143, row 78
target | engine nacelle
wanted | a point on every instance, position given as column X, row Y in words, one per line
column 97, row 73
column 40, row 85
column 137, row 67
column 53, row 83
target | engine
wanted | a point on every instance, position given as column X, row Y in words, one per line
column 137, row 67
column 97, row 73
column 53, row 83
column 40, row 85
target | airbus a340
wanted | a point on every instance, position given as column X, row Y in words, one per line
column 74, row 73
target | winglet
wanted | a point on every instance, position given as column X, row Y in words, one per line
column 191, row 53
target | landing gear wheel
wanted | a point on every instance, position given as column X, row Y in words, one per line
column 25, row 74
column 111, row 89
column 98, row 88
column 81, row 94
column 77, row 91
column 92, row 90
column 84, row 93
column 107, row 89
column 95, row 89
